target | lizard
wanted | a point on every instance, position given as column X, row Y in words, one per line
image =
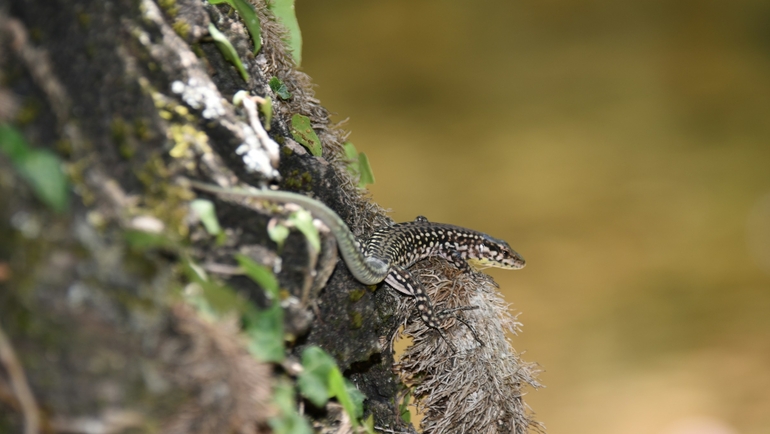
column 388, row 253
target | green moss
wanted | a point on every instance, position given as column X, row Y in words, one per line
column 122, row 133
column 170, row 7
column 196, row 48
column 84, row 20
column 64, row 148
column 164, row 200
column 356, row 320
column 118, row 130
column 182, row 28
column 75, row 172
column 28, row 112
column 286, row 151
column 356, row 295
column 36, row 34
column 91, row 51
column 142, row 129
column 298, row 180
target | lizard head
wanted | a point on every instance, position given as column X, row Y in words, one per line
column 491, row 252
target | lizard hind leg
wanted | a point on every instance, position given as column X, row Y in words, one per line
column 403, row 281
column 452, row 313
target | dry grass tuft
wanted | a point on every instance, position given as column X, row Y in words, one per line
column 479, row 388
column 230, row 391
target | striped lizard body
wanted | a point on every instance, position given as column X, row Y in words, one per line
column 387, row 254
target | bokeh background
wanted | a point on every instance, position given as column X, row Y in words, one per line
column 622, row 147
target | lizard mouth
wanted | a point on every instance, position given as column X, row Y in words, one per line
column 483, row 263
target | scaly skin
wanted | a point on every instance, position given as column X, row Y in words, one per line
column 388, row 253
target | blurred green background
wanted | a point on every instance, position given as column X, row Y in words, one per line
column 622, row 147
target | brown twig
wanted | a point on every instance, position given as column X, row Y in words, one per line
column 19, row 384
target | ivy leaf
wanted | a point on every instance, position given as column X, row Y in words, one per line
column 289, row 421
column 356, row 397
column 284, row 11
column 13, row 144
column 303, row 221
column 358, row 165
column 265, row 331
column 228, row 51
column 41, row 168
column 366, row 176
column 303, row 133
column 205, row 210
column 321, row 379
column 351, row 155
column 313, row 381
column 222, row 299
column 259, row 274
column 279, row 88
column 278, row 233
column 339, row 389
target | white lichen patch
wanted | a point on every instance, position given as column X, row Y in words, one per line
column 200, row 97
column 255, row 157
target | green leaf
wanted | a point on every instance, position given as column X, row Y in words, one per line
column 303, row 133
column 365, row 171
column 207, row 213
column 246, row 11
column 356, row 397
column 351, row 153
column 41, row 168
column 314, row 379
column 321, row 379
column 358, row 165
column 278, row 233
column 222, row 299
column 264, row 329
column 369, row 424
column 202, row 305
column 303, row 221
column 403, row 408
column 283, row 396
column 259, row 274
column 289, row 421
column 313, row 387
column 228, row 51
column 13, row 143
column 284, row 11
column 292, row 423
column 339, row 389
column 279, row 88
